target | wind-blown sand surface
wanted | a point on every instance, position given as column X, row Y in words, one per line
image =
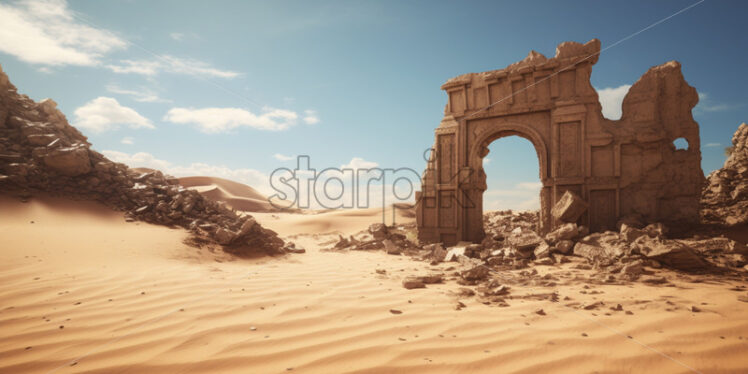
column 237, row 195
column 133, row 299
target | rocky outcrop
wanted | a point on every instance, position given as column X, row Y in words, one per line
column 725, row 198
column 40, row 152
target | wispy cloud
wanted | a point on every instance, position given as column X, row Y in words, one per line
column 706, row 104
column 217, row 120
column 127, row 140
column 524, row 196
column 46, row 32
column 611, row 99
column 105, row 113
column 170, row 64
column 282, row 157
column 713, row 145
column 178, row 36
column 359, row 163
column 142, row 95
column 311, row 117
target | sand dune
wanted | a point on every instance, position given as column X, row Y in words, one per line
column 339, row 222
column 237, row 195
column 133, row 299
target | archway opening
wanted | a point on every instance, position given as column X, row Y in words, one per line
column 512, row 176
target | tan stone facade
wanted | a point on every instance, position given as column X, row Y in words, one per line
column 619, row 167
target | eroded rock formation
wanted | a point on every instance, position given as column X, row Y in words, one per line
column 726, row 196
column 41, row 152
column 619, row 168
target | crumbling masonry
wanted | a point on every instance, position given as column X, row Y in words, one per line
column 618, row 167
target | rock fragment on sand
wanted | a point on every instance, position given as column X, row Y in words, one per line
column 454, row 253
column 477, row 273
column 413, row 283
column 670, row 253
column 378, row 231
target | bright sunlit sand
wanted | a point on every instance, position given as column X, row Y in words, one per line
column 81, row 283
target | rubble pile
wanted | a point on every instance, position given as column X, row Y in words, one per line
column 725, row 198
column 512, row 251
column 392, row 240
column 41, row 152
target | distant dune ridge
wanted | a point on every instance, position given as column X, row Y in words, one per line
column 236, row 195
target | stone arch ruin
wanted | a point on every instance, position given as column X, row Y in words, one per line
column 625, row 167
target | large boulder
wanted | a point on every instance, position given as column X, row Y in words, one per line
column 70, row 161
column 569, row 208
column 671, row 253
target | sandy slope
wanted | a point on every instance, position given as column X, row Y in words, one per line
column 133, row 299
column 341, row 222
column 237, row 195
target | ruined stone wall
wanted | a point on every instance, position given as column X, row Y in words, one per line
column 618, row 167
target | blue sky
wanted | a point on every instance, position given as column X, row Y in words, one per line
column 239, row 88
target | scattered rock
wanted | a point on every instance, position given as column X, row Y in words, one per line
column 477, row 273
column 378, row 231
column 670, row 252
column 412, row 283
column 453, row 253
column 569, row 208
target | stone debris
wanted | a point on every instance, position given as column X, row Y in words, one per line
column 671, row 253
column 412, row 283
column 40, row 152
column 569, row 208
column 725, row 197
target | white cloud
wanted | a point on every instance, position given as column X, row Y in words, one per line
column 138, row 160
column 524, row 196
column 47, row 32
column 216, row 120
column 706, row 105
column 283, row 157
column 250, row 177
column 311, row 117
column 359, row 163
column 486, row 160
column 143, row 95
column 128, row 140
column 530, row 186
column 178, row 36
column 105, row 113
column 712, row 145
column 611, row 99
column 170, row 64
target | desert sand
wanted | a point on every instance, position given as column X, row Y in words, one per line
column 84, row 291
column 236, row 195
